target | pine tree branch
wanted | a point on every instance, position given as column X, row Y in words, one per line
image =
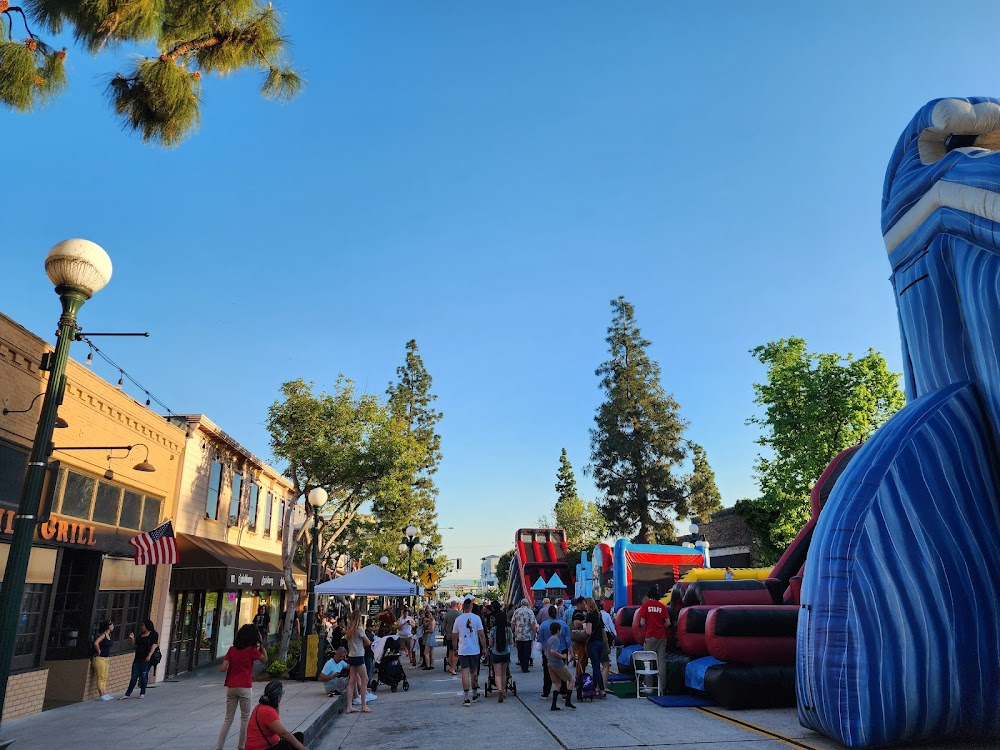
column 192, row 46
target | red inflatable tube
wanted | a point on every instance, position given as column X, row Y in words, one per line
column 627, row 625
column 754, row 635
column 691, row 630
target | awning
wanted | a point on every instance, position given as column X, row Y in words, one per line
column 369, row 581
column 210, row 565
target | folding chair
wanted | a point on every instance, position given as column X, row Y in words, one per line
column 644, row 664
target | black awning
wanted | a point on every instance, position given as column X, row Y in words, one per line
column 209, row 565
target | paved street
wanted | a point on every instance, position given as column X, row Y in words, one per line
column 430, row 714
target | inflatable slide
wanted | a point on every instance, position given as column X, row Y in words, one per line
column 539, row 567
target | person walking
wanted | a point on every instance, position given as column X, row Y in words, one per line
column 262, row 622
column 500, row 640
column 449, row 626
column 544, row 633
column 266, row 732
column 357, row 681
column 404, row 629
column 597, row 645
column 145, row 645
column 99, row 659
column 238, row 666
column 524, row 627
column 555, row 653
column 654, row 617
column 430, row 637
column 543, row 611
column 470, row 643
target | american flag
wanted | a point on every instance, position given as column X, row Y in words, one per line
column 156, row 547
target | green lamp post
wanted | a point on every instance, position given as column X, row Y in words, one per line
column 78, row 268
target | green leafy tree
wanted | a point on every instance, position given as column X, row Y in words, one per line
column 637, row 448
column 503, row 569
column 160, row 95
column 580, row 520
column 814, row 406
column 348, row 444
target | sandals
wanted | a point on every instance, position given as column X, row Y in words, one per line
column 366, row 710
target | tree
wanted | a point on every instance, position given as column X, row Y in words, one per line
column 580, row 520
column 345, row 443
column 503, row 569
column 814, row 406
column 637, row 449
column 160, row 96
column 704, row 497
column 410, row 402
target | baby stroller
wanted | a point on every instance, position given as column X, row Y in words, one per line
column 491, row 678
column 388, row 668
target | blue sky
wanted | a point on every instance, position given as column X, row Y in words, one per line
column 485, row 178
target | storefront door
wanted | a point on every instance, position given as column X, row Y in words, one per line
column 189, row 608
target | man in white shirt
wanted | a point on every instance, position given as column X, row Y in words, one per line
column 470, row 643
column 404, row 629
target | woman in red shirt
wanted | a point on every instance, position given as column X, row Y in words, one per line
column 266, row 730
column 238, row 666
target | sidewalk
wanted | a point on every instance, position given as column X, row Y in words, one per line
column 181, row 715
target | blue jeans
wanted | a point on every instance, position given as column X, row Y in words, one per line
column 140, row 674
column 596, row 650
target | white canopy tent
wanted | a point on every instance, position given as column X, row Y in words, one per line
column 369, row 581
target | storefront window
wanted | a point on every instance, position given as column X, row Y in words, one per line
column 150, row 513
column 131, row 510
column 249, row 601
column 122, row 608
column 106, row 505
column 77, row 496
column 274, row 612
column 208, row 627
column 227, row 623
column 13, row 464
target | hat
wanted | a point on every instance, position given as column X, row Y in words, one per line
column 469, row 596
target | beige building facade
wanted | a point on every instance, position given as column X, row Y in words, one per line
column 228, row 519
column 81, row 569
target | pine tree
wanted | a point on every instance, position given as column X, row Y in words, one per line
column 637, row 446
column 580, row 520
column 160, row 96
column 703, row 496
column 410, row 401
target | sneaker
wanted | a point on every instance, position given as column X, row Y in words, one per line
column 475, row 697
column 544, row 696
column 107, row 697
column 466, row 703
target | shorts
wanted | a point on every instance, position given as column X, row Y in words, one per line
column 468, row 661
column 355, row 661
column 448, row 645
column 560, row 674
column 500, row 658
column 406, row 643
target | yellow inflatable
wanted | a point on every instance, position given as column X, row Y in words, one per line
column 719, row 574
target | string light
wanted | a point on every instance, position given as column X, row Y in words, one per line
column 124, row 375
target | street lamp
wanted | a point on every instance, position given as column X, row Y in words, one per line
column 317, row 499
column 78, row 269
column 383, row 561
column 411, row 543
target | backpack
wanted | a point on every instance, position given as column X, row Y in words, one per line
column 586, row 690
column 155, row 658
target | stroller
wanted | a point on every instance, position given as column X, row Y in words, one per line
column 388, row 667
column 491, row 679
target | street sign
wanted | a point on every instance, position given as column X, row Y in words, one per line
column 429, row 578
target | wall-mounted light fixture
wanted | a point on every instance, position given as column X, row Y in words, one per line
column 143, row 465
column 60, row 422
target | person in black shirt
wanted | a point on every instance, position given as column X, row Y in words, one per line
column 597, row 644
column 261, row 621
column 145, row 645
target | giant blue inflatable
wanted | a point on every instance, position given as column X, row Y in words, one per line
column 899, row 633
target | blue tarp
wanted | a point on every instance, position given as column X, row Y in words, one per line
column 694, row 672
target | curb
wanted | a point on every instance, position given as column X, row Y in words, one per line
column 323, row 718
